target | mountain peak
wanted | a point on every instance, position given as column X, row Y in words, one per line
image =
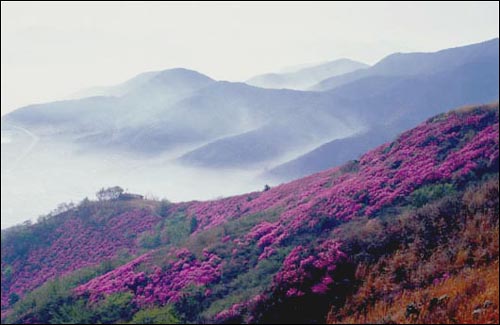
column 181, row 73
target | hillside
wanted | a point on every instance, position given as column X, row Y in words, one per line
column 339, row 243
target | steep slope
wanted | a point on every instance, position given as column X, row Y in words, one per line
column 411, row 64
column 306, row 77
column 281, row 255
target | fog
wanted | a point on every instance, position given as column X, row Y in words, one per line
column 175, row 134
column 37, row 176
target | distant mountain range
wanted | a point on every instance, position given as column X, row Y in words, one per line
column 285, row 133
column 392, row 103
column 307, row 77
column 417, row 64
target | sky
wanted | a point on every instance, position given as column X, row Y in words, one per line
column 51, row 50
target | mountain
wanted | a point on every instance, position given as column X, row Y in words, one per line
column 197, row 121
column 403, row 219
column 411, row 64
column 383, row 106
column 306, row 77
column 225, row 110
column 96, row 114
column 390, row 104
column 296, row 128
column 169, row 112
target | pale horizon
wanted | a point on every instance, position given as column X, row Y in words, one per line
column 53, row 50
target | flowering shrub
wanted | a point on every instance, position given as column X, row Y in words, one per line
column 161, row 285
column 74, row 245
column 446, row 149
column 234, row 314
column 383, row 176
column 118, row 280
column 307, row 270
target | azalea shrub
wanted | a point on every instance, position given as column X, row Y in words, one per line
column 287, row 254
column 78, row 242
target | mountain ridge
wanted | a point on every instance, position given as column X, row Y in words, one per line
column 304, row 78
column 404, row 63
column 401, row 103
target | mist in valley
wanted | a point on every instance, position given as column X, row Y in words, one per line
column 37, row 176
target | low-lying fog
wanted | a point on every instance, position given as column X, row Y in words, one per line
column 37, row 176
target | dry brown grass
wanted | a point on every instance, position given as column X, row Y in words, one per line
column 457, row 237
column 463, row 294
column 469, row 108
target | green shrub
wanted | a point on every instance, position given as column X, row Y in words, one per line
column 149, row 240
column 115, row 308
column 177, row 228
column 53, row 301
column 164, row 208
column 159, row 315
column 430, row 193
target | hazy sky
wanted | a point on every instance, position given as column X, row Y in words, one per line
column 51, row 50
